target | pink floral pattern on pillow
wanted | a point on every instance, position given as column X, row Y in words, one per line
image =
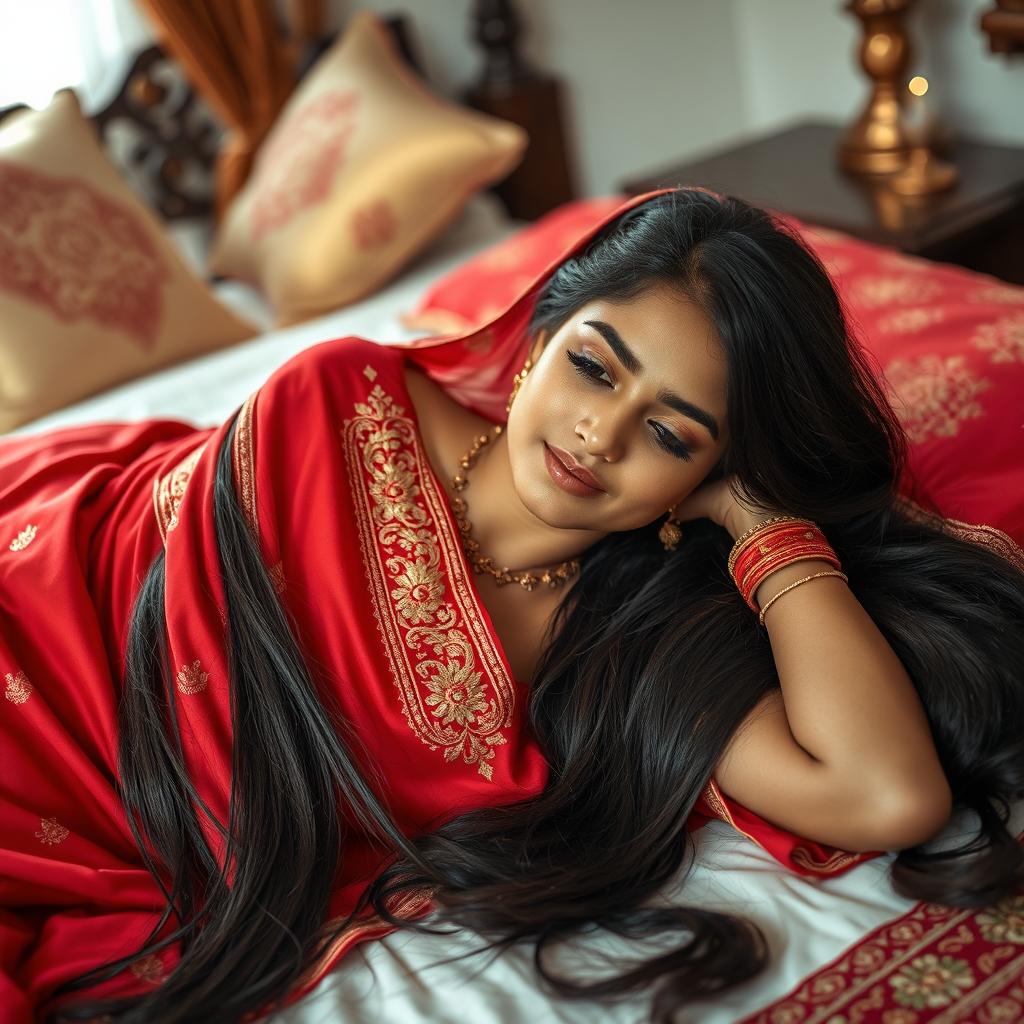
column 374, row 224
column 300, row 162
column 82, row 255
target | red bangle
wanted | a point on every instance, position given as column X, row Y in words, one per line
column 778, row 543
column 750, row 585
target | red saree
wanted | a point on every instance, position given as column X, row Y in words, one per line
column 359, row 539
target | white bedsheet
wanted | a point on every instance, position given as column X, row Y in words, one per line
column 807, row 922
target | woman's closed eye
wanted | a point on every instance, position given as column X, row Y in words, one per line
column 594, row 371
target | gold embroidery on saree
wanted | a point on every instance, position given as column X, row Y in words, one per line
column 24, row 538
column 715, row 800
column 804, row 856
column 52, row 833
column 191, row 678
column 409, row 547
column 242, row 459
column 19, row 689
column 169, row 490
column 150, row 968
column 276, row 574
column 977, row 533
column 405, row 905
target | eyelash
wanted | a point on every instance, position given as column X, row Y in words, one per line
column 592, row 370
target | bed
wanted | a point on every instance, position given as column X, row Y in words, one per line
column 843, row 949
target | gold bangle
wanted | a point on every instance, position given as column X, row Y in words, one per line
column 734, row 553
column 813, row 576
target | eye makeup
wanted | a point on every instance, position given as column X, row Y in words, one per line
column 595, row 372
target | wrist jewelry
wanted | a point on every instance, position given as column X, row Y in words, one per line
column 784, row 590
column 772, row 545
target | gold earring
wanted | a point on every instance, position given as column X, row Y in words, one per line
column 516, row 381
column 670, row 533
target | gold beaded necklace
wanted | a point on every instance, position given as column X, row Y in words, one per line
column 481, row 563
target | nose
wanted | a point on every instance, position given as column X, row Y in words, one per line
column 602, row 436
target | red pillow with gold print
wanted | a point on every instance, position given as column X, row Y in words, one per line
column 482, row 287
column 950, row 343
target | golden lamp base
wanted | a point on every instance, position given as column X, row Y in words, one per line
column 923, row 174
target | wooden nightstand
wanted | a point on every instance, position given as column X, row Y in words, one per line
column 978, row 224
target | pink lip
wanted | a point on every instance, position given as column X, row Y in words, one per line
column 570, row 474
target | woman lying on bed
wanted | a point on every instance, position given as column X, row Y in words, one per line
column 697, row 594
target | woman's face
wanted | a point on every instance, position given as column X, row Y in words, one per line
column 635, row 392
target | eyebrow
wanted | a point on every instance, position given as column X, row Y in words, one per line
column 628, row 358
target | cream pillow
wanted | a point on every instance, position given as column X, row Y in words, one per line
column 363, row 167
column 91, row 293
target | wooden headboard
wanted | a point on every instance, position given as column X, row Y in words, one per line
column 1004, row 26
column 164, row 138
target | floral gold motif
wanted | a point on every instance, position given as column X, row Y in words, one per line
column 912, row 970
column 933, row 395
column 191, row 678
column 451, row 701
column 150, row 968
column 910, row 321
column 19, row 689
column 931, row 981
column 1002, row 340
column 24, row 538
column 369, row 373
column 52, row 833
column 1005, row 921
column 880, row 291
column 1002, row 293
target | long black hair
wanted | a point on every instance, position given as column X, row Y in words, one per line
column 650, row 664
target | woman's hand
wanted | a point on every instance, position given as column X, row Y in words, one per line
column 718, row 502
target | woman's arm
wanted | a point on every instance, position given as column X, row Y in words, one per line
column 844, row 754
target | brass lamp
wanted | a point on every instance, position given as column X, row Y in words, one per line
column 877, row 142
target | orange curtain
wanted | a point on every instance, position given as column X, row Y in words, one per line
column 237, row 57
column 306, row 19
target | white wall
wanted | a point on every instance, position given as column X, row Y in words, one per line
column 646, row 80
column 654, row 81
column 800, row 58
column 649, row 82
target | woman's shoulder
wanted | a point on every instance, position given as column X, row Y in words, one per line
column 332, row 371
column 339, row 355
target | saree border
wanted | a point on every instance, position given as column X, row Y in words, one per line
column 801, row 855
column 243, row 463
column 432, row 633
column 407, row 904
column 976, row 533
column 169, row 491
